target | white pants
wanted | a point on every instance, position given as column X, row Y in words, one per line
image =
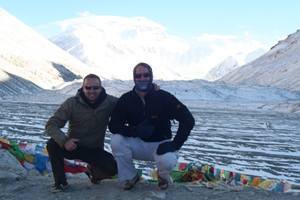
column 125, row 149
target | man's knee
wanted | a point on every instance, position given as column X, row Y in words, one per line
column 118, row 144
column 116, row 140
column 167, row 161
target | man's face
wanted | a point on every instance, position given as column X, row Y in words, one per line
column 142, row 78
column 141, row 74
column 92, row 89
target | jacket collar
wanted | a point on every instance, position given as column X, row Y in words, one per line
column 100, row 99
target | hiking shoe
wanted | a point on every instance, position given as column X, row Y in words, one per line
column 57, row 187
column 91, row 174
column 162, row 183
column 129, row 184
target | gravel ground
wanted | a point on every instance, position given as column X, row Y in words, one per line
column 36, row 186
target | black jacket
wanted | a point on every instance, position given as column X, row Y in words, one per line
column 159, row 109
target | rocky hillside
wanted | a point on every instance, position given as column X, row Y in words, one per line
column 29, row 62
column 280, row 67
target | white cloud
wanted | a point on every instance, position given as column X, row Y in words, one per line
column 224, row 46
column 84, row 14
column 213, row 37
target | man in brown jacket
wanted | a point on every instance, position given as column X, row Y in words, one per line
column 87, row 114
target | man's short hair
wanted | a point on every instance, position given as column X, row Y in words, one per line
column 92, row 76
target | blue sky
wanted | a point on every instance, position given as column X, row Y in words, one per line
column 266, row 21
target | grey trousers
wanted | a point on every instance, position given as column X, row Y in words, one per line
column 125, row 149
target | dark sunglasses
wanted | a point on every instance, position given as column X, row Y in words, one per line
column 146, row 75
column 90, row 87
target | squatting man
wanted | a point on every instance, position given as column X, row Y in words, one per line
column 141, row 128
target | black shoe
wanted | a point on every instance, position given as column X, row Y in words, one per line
column 57, row 187
column 162, row 183
column 129, row 184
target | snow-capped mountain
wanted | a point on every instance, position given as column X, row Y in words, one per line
column 222, row 69
column 280, row 67
column 231, row 63
column 120, row 43
column 30, row 62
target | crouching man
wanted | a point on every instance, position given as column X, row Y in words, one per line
column 87, row 114
column 141, row 127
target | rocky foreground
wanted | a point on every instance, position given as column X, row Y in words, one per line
column 17, row 183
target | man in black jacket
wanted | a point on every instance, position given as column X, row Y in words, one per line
column 141, row 127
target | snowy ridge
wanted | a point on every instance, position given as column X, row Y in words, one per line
column 30, row 61
column 222, row 69
column 279, row 67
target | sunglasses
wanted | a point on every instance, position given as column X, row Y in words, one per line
column 90, row 87
column 146, row 75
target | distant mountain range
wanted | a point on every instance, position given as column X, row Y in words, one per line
column 110, row 47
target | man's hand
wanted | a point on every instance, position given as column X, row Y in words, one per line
column 70, row 144
column 167, row 147
column 143, row 130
